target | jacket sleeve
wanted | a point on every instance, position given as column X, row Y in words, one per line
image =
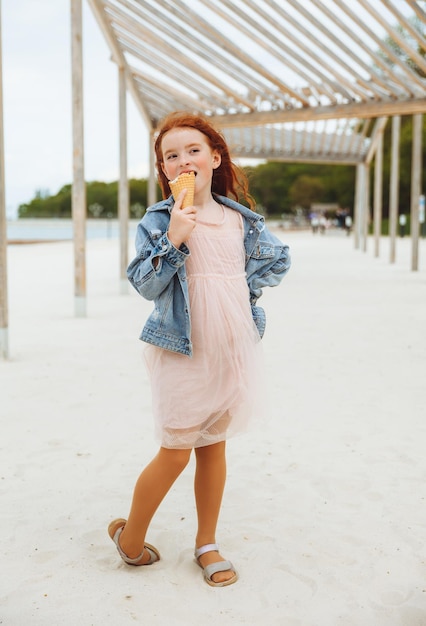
column 156, row 262
column 269, row 262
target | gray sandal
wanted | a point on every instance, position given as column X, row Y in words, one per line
column 114, row 531
column 214, row 568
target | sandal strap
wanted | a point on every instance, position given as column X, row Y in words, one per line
column 123, row 555
column 114, row 531
column 154, row 556
column 214, row 568
column 209, row 547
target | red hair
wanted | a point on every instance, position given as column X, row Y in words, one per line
column 228, row 179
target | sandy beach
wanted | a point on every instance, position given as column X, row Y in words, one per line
column 324, row 510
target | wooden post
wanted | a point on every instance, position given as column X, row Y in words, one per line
column 394, row 186
column 4, row 323
column 358, row 205
column 361, row 205
column 152, row 187
column 378, row 184
column 78, row 186
column 366, row 201
column 123, row 191
column 416, row 182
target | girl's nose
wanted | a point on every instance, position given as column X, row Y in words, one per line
column 184, row 159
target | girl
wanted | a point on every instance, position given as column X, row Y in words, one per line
column 204, row 267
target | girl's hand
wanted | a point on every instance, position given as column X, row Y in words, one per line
column 182, row 221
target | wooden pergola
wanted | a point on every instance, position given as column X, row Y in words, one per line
column 313, row 81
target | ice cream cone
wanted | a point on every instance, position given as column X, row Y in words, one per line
column 184, row 181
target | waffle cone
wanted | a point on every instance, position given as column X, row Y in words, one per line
column 184, row 181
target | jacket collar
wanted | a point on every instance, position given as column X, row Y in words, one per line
column 256, row 220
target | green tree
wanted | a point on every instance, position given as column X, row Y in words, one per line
column 138, row 189
column 97, row 193
column 269, row 187
column 104, row 194
column 48, row 206
column 305, row 190
column 270, row 184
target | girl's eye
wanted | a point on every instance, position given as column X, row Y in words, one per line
column 171, row 156
column 195, row 150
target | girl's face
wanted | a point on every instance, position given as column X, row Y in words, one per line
column 187, row 150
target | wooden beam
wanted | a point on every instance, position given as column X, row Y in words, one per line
column 355, row 136
column 323, row 139
column 155, row 47
column 366, row 203
column 418, row 11
column 78, row 186
column 232, row 48
column 416, row 183
column 152, row 18
column 118, row 57
column 407, row 25
column 351, row 109
column 378, row 130
column 297, row 157
column 394, row 33
column 123, row 186
column 359, row 183
column 317, row 64
column 329, row 34
column 304, row 146
column 378, row 194
column 361, row 206
column 407, row 77
column 159, row 48
column 168, row 92
column 278, row 48
column 394, row 186
column 4, row 314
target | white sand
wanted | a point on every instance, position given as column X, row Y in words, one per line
column 324, row 510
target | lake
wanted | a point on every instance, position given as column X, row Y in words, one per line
column 62, row 229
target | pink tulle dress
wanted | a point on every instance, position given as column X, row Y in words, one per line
column 209, row 397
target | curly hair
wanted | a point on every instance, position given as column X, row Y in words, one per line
column 228, row 179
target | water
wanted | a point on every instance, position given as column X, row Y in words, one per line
column 62, row 229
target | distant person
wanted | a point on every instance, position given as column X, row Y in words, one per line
column 402, row 224
column 314, row 223
column 322, row 224
column 204, row 266
column 348, row 224
column 340, row 218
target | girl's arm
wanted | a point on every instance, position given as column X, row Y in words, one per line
column 156, row 262
column 269, row 262
column 160, row 253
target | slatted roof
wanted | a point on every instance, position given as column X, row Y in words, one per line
column 276, row 74
column 346, row 143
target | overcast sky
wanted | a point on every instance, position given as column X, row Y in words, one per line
column 37, row 102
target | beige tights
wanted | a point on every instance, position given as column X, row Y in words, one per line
column 155, row 482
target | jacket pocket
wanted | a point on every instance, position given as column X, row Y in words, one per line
column 263, row 251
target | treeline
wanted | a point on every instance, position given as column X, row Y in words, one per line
column 101, row 200
column 277, row 187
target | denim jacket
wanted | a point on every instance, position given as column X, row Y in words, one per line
column 165, row 282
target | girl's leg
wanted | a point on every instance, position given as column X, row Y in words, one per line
column 210, row 476
column 151, row 487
